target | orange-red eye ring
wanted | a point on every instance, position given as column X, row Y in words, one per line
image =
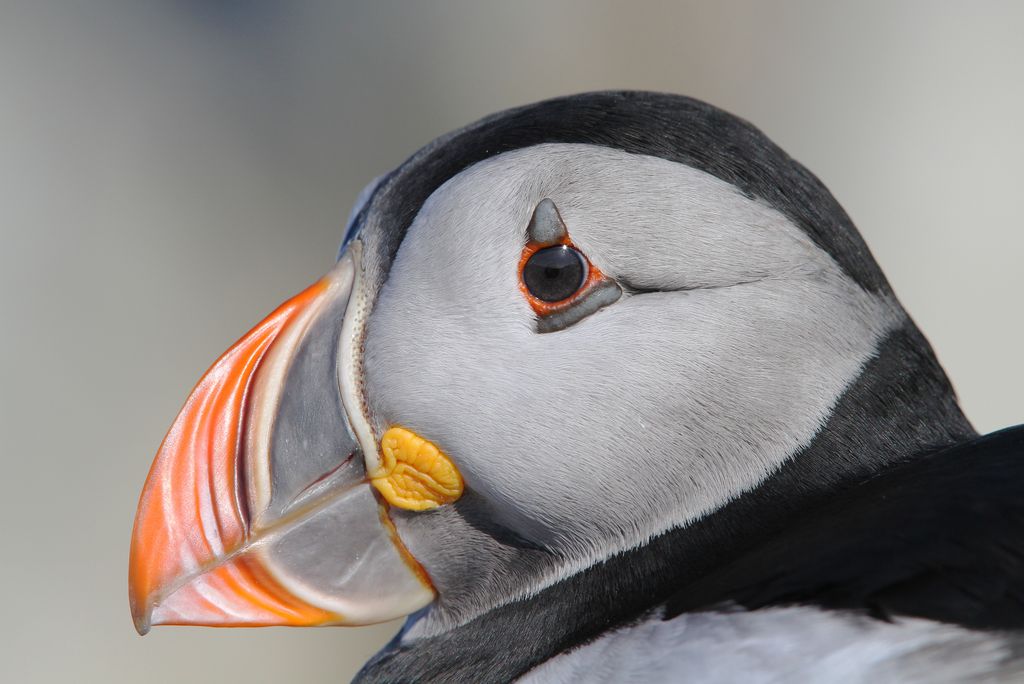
column 543, row 308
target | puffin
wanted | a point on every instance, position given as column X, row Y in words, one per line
column 606, row 388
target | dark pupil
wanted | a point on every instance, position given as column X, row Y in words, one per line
column 553, row 273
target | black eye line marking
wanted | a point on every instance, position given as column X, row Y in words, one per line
column 635, row 290
column 632, row 290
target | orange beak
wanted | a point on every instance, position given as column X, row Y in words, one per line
column 231, row 522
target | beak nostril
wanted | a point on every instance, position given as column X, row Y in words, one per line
column 349, row 473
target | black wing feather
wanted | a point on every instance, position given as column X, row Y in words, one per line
column 941, row 538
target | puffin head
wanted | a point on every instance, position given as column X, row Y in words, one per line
column 570, row 335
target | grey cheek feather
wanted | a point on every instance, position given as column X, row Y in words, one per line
column 648, row 414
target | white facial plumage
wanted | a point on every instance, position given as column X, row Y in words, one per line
column 733, row 339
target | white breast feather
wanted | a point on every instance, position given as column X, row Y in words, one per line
column 793, row 644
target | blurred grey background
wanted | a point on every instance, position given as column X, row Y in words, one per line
column 170, row 171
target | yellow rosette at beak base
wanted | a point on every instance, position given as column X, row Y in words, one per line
column 414, row 474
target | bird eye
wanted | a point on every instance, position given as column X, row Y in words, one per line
column 557, row 280
column 554, row 273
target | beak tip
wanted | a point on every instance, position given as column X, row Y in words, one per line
column 142, row 622
column 138, row 599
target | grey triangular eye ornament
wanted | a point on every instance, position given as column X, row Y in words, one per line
column 559, row 282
